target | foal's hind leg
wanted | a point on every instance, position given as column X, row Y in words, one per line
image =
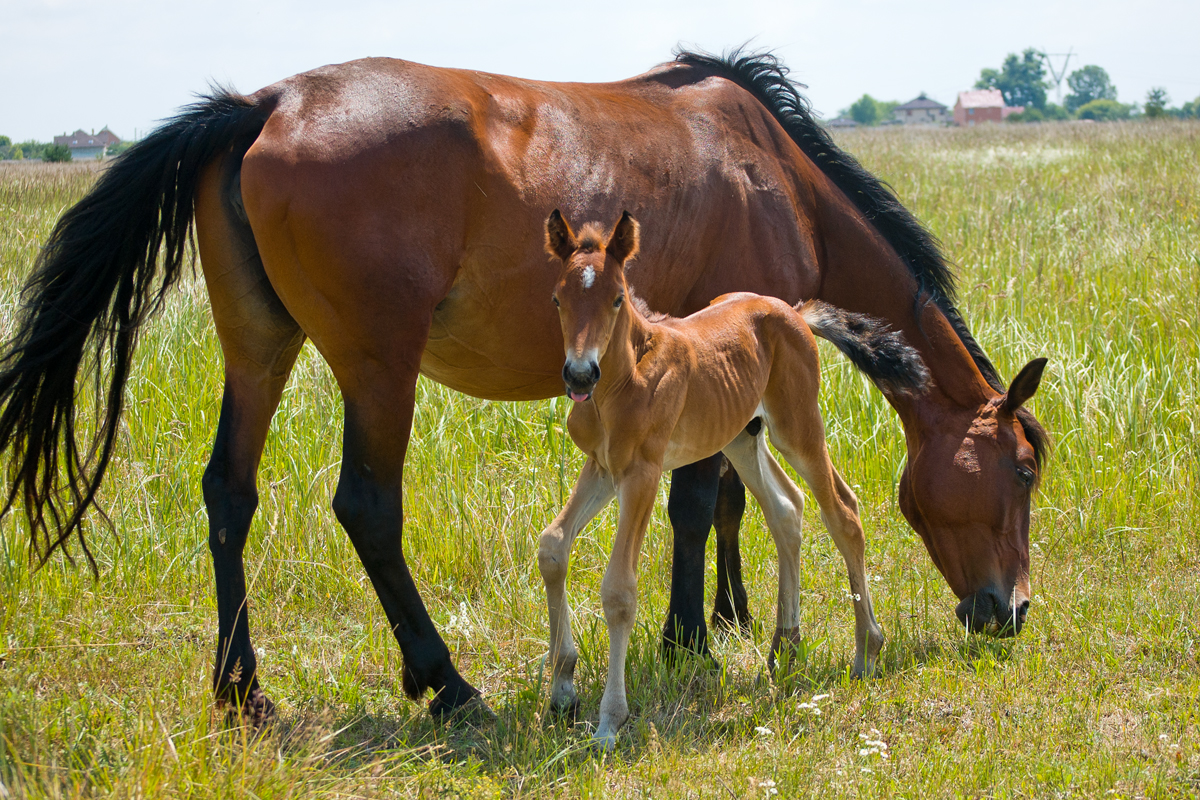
column 259, row 341
column 592, row 492
column 783, row 507
column 798, row 433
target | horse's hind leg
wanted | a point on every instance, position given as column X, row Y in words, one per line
column 259, row 341
column 730, row 606
column 380, row 393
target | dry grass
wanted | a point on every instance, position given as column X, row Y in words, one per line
column 1077, row 242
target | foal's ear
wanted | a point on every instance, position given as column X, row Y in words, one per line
column 623, row 244
column 560, row 239
column 1024, row 385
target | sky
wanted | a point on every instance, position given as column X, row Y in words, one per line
column 69, row 64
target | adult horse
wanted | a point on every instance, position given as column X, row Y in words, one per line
column 392, row 213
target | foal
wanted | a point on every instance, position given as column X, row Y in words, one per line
column 675, row 391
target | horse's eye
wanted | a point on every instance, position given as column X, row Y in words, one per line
column 620, row 299
column 1025, row 477
column 554, row 299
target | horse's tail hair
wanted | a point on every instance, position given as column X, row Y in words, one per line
column 877, row 351
column 102, row 273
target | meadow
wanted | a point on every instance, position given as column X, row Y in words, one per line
column 1073, row 241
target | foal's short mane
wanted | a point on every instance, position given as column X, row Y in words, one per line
column 592, row 237
column 765, row 76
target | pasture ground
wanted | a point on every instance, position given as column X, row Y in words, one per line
column 1077, row 242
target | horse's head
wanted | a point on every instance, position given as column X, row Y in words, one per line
column 590, row 293
column 966, row 491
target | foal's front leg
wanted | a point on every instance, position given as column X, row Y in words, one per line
column 618, row 590
column 592, row 492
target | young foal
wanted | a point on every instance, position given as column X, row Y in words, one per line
column 675, row 391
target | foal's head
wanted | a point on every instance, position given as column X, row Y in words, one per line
column 590, row 293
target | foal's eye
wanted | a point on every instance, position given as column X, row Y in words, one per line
column 554, row 299
column 1025, row 477
column 620, row 299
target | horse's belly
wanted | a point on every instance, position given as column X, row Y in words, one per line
column 488, row 340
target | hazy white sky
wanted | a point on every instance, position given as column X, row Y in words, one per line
column 127, row 63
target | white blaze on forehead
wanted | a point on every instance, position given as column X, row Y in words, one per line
column 589, row 277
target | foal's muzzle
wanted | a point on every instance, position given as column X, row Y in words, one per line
column 989, row 611
column 581, row 378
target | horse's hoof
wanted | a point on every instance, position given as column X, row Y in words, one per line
column 256, row 711
column 474, row 712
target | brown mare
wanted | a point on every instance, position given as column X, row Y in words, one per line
column 653, row 393
column 390, row 213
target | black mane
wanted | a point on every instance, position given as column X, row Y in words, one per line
column 764, row 76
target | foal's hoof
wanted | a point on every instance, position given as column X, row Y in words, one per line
column 256, row 711
column 474, row 711
column 567, row 708
column 604, row 742
column 784, row 646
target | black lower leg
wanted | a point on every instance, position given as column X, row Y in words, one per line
column 690, row 509
column 371, row 513
column 231, row 508
column 729, row 606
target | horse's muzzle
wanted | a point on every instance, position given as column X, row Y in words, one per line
column 989, row 611
column 580, row 378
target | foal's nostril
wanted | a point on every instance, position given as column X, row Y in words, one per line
column 1022, row 611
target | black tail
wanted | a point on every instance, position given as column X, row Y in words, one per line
column 97, row 279
column 879, row 352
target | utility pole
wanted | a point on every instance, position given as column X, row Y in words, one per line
column 1058, row 74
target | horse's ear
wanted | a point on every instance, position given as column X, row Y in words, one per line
column 1024, row 385
column 560, row 239
column 623, row 244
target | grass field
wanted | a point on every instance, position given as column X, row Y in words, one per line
column 1077, row 242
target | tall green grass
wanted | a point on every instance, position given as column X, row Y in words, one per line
column 1077, row 242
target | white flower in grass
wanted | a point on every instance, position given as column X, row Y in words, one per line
column 764, row 731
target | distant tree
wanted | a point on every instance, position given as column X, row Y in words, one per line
column 1156, row 103
column 56, row 152
column 1087, row 84
column 5, row 141
column 1104, row 110
column 1191, row 109
column 885, row 109
column 1022, row 80
column 16, row 154
column 864, row 110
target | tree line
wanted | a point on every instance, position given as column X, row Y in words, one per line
column 1022, row 81
column 18, row 151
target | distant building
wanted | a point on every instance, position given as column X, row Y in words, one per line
column 922, row 111
column 86, row 145
column 982, row 105
column 842, row 122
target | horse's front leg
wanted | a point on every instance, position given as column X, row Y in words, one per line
column 690, row 509
column 730, row 606
column 636, row 490
column 592, row 492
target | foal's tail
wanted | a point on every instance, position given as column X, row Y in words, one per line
column 877, row 351
column 102, row 273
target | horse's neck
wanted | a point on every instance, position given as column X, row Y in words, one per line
column 867, row 276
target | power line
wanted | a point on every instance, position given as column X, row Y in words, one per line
column 1058, row 74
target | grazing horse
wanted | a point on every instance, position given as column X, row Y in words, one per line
column 653, row 393
column 390, row 213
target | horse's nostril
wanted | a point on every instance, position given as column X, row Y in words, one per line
column 1022, row 610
